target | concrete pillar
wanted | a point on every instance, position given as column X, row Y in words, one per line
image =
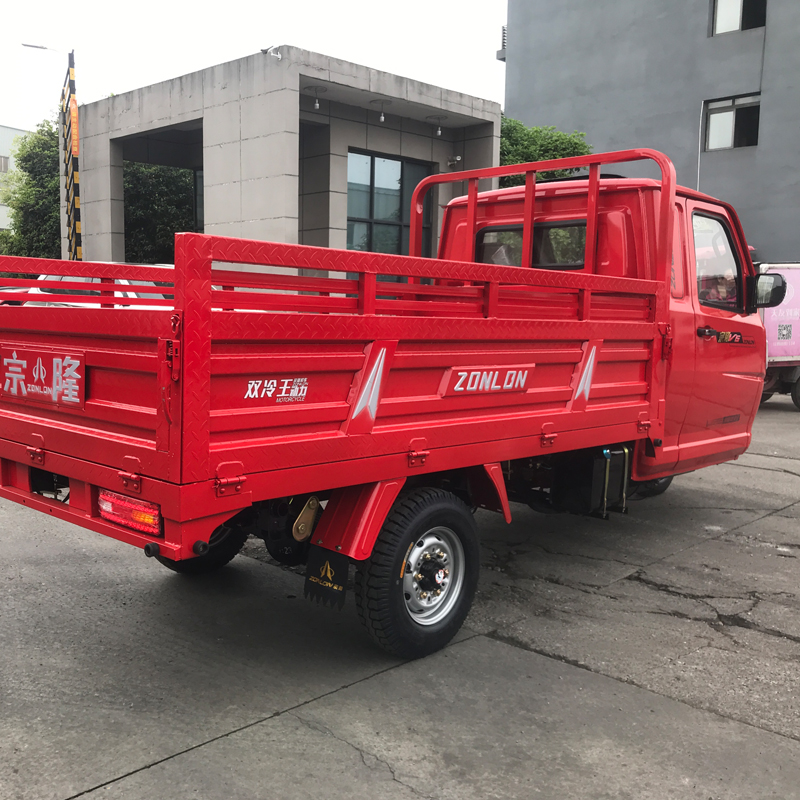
column 102, row 200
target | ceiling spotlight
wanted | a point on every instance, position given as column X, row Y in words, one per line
column 316, row 91
column 381, row 103
column 437, row 120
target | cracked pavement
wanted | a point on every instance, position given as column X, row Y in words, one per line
column 654, row 655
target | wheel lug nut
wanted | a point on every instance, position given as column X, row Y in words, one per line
column 440, row 554
column 424, row 595
column 427, row 556
column 418, row 577
column 446, row 572
column 438, row 592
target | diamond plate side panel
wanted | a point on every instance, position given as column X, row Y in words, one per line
column 47, row 324
column 320, row 327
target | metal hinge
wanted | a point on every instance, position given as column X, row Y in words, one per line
column 666, row 340
column 643, row 424
column 36, row 455
column 417, row 458
column 131, row 481
column 174, row 358
column 225, row 486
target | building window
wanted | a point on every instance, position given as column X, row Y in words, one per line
column 3, row 163
column 379, row 192
column 739, row 15
column 732, row 122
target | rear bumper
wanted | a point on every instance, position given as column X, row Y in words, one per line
column 191, row 513
column 88, row 518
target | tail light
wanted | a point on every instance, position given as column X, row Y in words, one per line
column 137, row 514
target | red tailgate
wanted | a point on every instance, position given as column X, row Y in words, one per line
column 90, row 378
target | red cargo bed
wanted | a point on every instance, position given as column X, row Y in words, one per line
column 258, row 370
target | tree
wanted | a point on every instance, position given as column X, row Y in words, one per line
column 519, row 144
column 6, row 243
column 31, row 191
column 159, row 202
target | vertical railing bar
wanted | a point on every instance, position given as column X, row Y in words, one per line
column 228, row 289
column 491, row 295
column 367, row 292
column 415, row 231
column 528, row 219
column 592, row 208
column 584, row 304
column 104, row 293
column 472, row 216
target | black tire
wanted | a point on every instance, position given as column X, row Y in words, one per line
column 766, row 396
column 405, row 617
column 650, row 488
column 796, row 394
column 224, row 544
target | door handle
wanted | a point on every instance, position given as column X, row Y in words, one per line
column 707, row 332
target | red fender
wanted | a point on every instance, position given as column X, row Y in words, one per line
column 354, row 517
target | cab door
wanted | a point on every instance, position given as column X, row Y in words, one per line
column 729, row 344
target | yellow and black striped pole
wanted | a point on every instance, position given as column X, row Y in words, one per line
column 72, row 183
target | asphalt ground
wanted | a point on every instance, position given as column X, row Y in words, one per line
column 654, row 655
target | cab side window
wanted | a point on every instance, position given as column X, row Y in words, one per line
column 719, row 276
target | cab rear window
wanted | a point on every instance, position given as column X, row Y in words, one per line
column 556, row 245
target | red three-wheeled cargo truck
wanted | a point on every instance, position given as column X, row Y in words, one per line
column 576, row 341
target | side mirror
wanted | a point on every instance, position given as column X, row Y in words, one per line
column 768, row 290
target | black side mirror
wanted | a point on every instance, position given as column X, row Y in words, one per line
column 766, row 290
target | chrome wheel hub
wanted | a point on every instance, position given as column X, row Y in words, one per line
column 433, row 575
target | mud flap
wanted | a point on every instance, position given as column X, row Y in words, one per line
column 326, row 576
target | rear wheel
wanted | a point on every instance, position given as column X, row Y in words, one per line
column 796, row 394
column 416, row 589
column 766, row 396
column 224, row 544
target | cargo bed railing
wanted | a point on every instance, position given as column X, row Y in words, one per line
column 352, row 283
column 530, row 171
column 235, row 290
column 84, row 283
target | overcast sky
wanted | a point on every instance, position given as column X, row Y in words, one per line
column 122, row 46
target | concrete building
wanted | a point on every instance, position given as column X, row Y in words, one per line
column 288, row 146
column 715, row 84
column 7, row 136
